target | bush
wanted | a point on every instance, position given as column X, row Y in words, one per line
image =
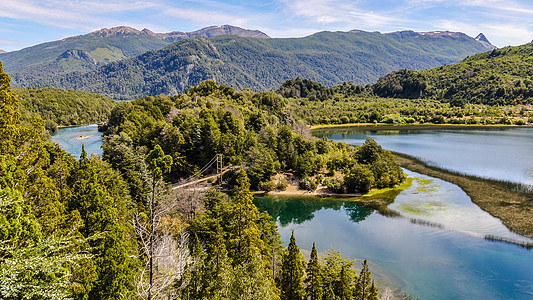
column 282, row 184
column 307, row 184
column 334, row 184
column 319, row 178
column 267, row 186
column 521, row 122
column 359, row 179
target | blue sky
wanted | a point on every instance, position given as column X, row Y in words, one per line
column 27, row 22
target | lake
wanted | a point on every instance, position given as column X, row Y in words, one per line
column 71, row 139
column 498, row 154
column 450, row 259
column 447, row 258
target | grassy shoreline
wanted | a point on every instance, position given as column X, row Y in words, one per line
column 506, row 201
column 417, row 126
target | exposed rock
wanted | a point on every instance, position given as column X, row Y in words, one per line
column 484, row 41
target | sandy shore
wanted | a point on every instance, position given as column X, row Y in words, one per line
column 321, row 191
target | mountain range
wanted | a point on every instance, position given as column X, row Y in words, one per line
column 89, row 51
column 125, row 63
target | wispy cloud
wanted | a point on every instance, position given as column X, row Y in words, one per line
column 202, row 16
column 327, row 12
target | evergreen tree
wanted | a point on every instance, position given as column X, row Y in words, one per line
column 344, row 289
column 292, row 273
column 244, row 234
column 101, row 210
column 329, row 294
column 313, row 280
column 363, row 284
column 373, row 295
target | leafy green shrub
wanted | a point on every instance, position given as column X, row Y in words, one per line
column 282, row 184
column 334, row 184
column 521, row 122
column 359, row 179
column 267, row 186
column 307, row 184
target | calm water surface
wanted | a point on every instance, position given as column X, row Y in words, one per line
column 499, row 154
column 69, row 139
column 451, row 261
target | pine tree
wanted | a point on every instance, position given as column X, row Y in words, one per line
column 329, row 294
column 98, row 204
column 345, row 291
column 292, row 273
column 313, row 281
column 363, row 288
column 244, row 234
column 373, row 292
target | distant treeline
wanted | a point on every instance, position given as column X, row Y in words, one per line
column 62, row 107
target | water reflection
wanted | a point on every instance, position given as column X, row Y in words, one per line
column 499, row 154
column 298, row 210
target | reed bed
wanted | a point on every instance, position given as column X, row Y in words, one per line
column 509, row 201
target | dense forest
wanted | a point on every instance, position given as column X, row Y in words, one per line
column 264, row 64
column 498, row 77
column 349, row 103
column 92, row 228
column 62, row 107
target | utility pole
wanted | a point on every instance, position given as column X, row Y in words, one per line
column 219, row 167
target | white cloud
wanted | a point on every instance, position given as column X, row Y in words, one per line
column 348, row 13
column 499, row 34
column 206, row 17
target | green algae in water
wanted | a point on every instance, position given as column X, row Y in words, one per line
column 426, row 185
column 421, row 208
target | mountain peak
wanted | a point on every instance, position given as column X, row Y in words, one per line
column 120, row 30
column 2, row 51
column 484, row 41
column 481, row 38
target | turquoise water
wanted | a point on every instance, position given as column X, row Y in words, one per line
column 448, row 260
column 68, row 139
column 499, row 154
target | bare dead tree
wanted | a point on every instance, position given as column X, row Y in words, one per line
column 189, row 199
column 164, row 246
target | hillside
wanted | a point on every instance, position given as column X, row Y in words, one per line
column 63, row 107
column 87, row 52
column 498, row 77
column 263, row 64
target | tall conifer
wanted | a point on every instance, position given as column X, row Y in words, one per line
column 313, row 281
column 292, row 273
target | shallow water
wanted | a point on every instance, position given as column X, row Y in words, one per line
column 452, row 261
column 499, row 154
column 67, row 138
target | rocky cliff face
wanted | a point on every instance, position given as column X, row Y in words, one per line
column 484, row 41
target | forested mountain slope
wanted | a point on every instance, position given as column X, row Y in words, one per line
column 87, row 52
column 263, row 64
column 498, row 77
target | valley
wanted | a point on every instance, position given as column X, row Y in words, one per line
column 419, row 140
